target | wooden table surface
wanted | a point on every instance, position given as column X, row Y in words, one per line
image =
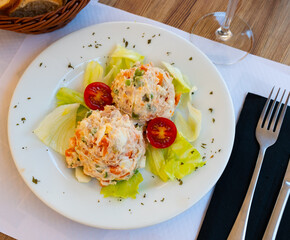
column 269, row 20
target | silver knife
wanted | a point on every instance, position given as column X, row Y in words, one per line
column 273, row 225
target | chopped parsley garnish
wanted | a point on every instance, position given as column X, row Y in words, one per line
column 93, row 131
column 34, row 180
column 70, row 66
column 135, row 116
column 180, row 181
column 149, row 107
column 145, row 98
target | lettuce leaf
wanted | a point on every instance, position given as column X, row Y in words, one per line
column 93, row 73
column 121, row 58
column 82, row 113
column 67, row 96
column 124, row 189
column 180, row 83
column 176, row 161
column 58, row 127
column 189, row 125
column 155, row 162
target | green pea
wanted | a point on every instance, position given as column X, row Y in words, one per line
column 128, row 82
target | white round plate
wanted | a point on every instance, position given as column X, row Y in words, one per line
column 34, row 98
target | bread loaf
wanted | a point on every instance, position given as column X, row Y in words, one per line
column 5, row 4
column 31, row 8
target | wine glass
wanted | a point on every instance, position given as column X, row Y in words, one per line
column 225, row 28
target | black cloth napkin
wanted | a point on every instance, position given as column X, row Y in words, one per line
column 231, row 188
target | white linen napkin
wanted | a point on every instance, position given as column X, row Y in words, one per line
column 22, row 214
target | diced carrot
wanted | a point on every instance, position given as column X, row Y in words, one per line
column 68, row 152
column 78, row 133
column 72, row 144
column 104, row 143
column 127, row 74
column 115, row 170
column 160, row 77
column 177, row 98
column 144, row 67
column 104, row 181
column 129, row 154
column 125, row 175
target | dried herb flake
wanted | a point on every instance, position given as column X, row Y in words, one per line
column 34, row 180
column 70, row 66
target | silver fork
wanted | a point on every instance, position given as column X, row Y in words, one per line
column 266, row 135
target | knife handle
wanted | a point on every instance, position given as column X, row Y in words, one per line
column 273, row 225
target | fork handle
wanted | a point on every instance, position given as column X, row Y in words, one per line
column 239, row 228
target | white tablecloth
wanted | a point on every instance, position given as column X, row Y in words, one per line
column 22, row 214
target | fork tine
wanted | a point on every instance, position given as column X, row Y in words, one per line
column 262, row 116
column 267, row 122
column 281, row 118
column 277, row 112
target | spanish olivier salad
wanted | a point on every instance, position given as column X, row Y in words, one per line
column 128, row 116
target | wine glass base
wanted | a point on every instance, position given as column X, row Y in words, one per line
column 239, row 38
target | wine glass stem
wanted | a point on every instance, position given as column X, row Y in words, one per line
column 224, row 32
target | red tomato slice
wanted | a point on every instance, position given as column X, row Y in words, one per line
column 161, row 132
column 97, row 95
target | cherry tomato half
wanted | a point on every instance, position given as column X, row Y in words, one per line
column 161, row 132
column 97, row 95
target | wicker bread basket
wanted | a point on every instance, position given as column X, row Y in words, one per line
column 46, row 22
